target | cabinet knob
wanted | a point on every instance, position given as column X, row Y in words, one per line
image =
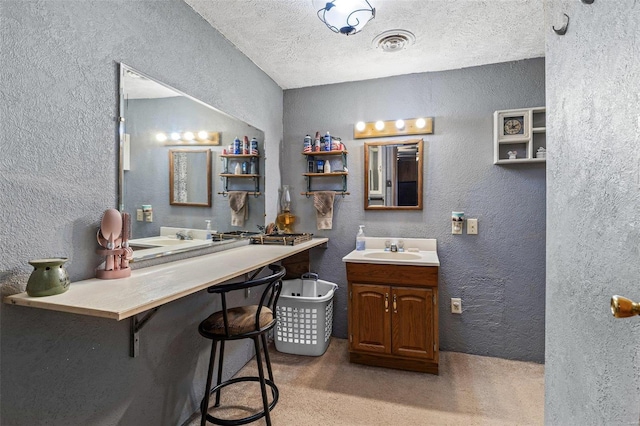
column 621, row 307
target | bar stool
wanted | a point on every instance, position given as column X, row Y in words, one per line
column 244, row 322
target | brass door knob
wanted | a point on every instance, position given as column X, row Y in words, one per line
column 621, row 307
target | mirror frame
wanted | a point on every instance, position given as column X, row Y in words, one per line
column 171, row 177
column 419, row 143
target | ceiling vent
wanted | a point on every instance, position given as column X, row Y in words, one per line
column 394, row 40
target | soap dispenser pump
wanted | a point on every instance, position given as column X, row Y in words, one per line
column 360, row 239
column 208, row 234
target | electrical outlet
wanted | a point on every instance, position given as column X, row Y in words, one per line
column 456, row 305
column 139, row 216
column 472, row 226
column 149, row 216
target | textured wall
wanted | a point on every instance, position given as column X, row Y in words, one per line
column 58, row 174
column 592, row 368
column 500, row 272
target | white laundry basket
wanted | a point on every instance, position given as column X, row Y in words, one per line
column 304, row 316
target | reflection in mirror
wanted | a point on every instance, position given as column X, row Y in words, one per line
column 190, row 177
column 149, row 109
column 393, row 173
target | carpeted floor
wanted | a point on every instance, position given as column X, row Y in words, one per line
column 328, row 390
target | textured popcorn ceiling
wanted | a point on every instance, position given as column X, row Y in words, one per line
column 287, row 40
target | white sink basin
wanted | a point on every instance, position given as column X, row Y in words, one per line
column 392, row 255
column 417, row 252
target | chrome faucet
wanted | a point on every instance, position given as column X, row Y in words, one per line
column 394, row 247
column 184, row 235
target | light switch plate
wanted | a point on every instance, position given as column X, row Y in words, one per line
column 472, row 226
column 456, row 305
column 139, row 216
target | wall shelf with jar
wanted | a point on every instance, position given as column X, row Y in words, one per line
column 320, row 165
column 519, row 136
column 241, row 166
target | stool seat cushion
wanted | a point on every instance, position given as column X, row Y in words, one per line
column 241, row 320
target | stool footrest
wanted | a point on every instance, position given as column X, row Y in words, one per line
column 233, row 422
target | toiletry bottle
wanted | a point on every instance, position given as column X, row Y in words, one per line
column 237, row 170
column 306, row 146
column 254, row 146
column 327, row 142
column 320, row 167
column 237, row 146
column 360, row 239
column 317, row 143
column 327, row 166
column 245, row 145
column 208, row 237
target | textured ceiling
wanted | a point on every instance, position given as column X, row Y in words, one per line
column 289, row 43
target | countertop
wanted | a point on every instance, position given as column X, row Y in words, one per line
column 417, row 252
column 154, row 286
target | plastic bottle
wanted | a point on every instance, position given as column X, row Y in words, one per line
column 327, row 166
column 208, row 237
column 237, row 146
column 245, row 145
column 327, row 142
column 360, row 239
column 317, row 143
column 306, row 147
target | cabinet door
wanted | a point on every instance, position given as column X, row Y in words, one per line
column 412, row 319
column 370, row 318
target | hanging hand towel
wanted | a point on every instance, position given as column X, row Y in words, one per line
column 239, row 207
column 323, row 202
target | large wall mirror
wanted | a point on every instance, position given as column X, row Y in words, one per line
column 160, row 125
column 393, row 175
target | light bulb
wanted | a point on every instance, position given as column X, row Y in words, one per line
column 420, row 123
column 161, row 137
column 379, row 125
column 202, row 134
column 400, row 124
column 188, row 136
column 360, row 126
column 175, row 136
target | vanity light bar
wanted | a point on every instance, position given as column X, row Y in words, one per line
column 380, row 129
column 201, row 137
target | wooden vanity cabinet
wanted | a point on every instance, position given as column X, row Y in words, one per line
column 393, row 316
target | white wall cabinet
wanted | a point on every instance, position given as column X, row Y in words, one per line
column 518, row 134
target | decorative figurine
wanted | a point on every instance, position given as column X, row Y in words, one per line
column 113, row 236
column 512, row 155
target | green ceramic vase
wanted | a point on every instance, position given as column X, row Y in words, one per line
column 48, row 278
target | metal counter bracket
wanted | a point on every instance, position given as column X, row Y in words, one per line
column 136, row 326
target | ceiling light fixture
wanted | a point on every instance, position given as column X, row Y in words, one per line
column 346, row 17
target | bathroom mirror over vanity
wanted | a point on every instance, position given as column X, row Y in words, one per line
column 393, row 173
column 171, row 148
